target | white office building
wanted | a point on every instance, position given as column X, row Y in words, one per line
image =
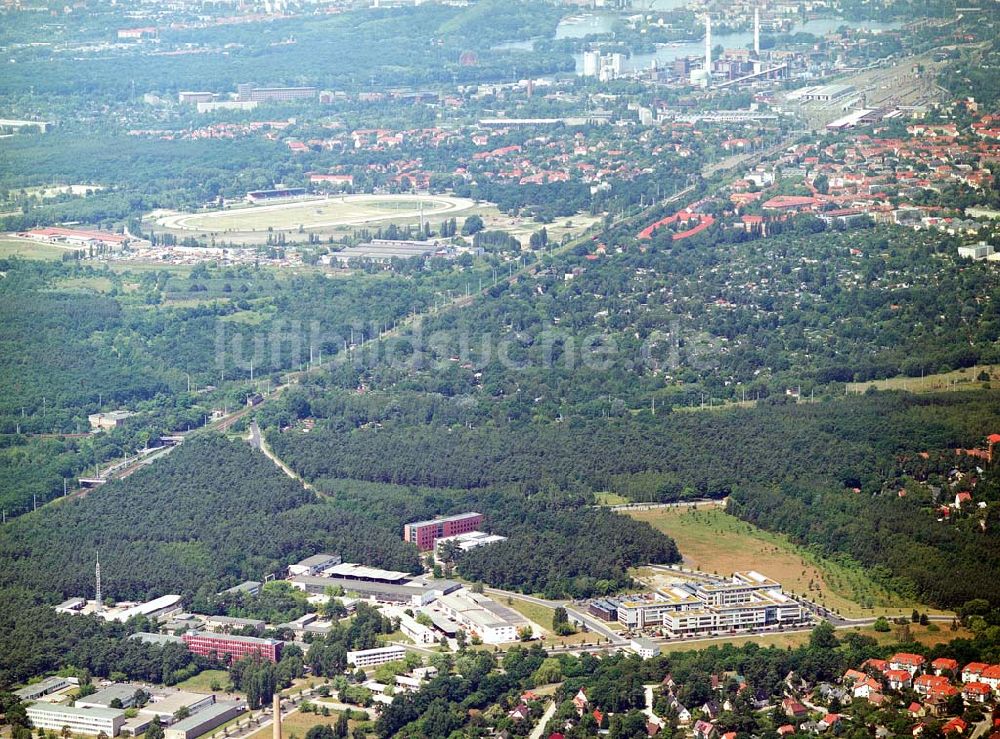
column 645, row 648
column 746, row 601
column 90, row 721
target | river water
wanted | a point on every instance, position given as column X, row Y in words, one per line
column 595, row 23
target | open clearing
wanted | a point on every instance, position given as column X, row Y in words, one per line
column 202, row 682
column 542, row 617
column 28, row 249
column 713, row 541
column 298, row 724
column 963, row 379
column 319, row 213
column 919, row 634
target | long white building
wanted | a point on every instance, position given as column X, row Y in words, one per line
column 373, row 657
column 79, row 720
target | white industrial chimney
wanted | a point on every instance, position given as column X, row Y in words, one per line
column 756, row 31
column 708, row 46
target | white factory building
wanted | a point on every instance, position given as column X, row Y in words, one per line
column 478, row 615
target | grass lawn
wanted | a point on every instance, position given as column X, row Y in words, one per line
column 298, row 723
column 177, row 270
column 542, row 616
column 92, row 284
column 30, row 249
column 350, row 210
column 919, row 633
column 964, row 379
column 610, row 499
column 538, row 614
column 765, row 640
column 202, row 682
column 713, row 541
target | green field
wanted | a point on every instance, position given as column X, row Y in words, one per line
column 963, row 379
column 348, row 210
column 30, row 249
column 298, row 723
column 610, row 499
column 713, row 541
column 920, row 634
column 202, row 682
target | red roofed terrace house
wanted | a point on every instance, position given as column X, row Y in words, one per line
column 944, row 665
column 912, row 663
column 898, row 679
column 976, row 692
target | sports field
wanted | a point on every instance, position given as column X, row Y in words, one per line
column 319, row 213
column 713, row 541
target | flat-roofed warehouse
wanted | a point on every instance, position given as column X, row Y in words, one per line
column 826, row 93
column 42, row 688
column 205, row 720
column 412, row 593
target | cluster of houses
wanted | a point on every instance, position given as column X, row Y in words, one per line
column 862, row 178
column 934, row 683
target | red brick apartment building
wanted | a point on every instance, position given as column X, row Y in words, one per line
column 425, row 533
column 231, row 648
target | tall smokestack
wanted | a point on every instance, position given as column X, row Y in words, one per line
column 98, row 595
column 708, row 46
column 277, row 716
column 756, row 31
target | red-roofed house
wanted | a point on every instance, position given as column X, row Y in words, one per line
column 955, row 726
column 830, row 721
column 991, row 676
column 874, row 665
column 944, row 691
column 705, row 730
column 790, row 202
column 944, row 664
column 898, row 679
column 916, row 710
column 912, row 663
column 925, row 684
column 852, row 676
column 786, row 730
column 867, row 687
column 598, row 716
column 793, row 708
column 976, row 692
column 972, row 671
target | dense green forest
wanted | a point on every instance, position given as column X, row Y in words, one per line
column 786, row 467
column 848, row 442
column 77, row 340
column 214, row 513
column 710, row 317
